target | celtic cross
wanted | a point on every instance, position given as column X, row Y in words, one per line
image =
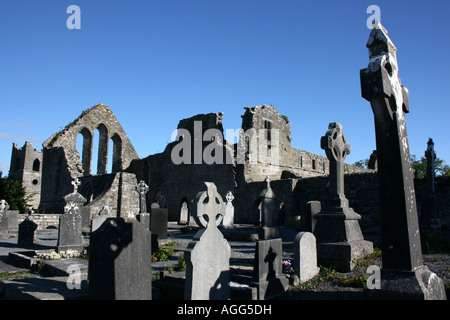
column 336, row 148
column 208, row 206
column 75, row 184
column 142, row 189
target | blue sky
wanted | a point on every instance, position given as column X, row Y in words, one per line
column 155, row 62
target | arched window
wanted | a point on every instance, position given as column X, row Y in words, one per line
column 36, row 165
column 102, row 159
column 84, row 147
column 117, row 153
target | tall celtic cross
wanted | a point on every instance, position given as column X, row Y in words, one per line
column 389, row 99
column 336, row 148
column 142, row 189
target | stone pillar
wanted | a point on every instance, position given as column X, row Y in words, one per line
column 228, row 219
column 3, row 219
column 267, row 214
column 430, row 211
column 403, row 274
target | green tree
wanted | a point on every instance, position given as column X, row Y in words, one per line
column 362, row 163
column 420, row 166
column 13, row 193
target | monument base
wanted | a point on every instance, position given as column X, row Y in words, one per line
column 421, row 284
column 342, row 255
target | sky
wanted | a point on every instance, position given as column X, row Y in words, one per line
column 156, row 62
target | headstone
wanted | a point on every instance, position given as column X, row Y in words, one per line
column 184, row 213
column 268, row 275
column 26, row 232
column 158, row 222
column 3, row 219
column 311, row 209
column 339, row 237
column 430, row 212
column 13, row 221
column 208, row 255
column 228, row 219
column 70, row 235
column 98, row 219
column 267, row 215
column 403, row 274
column 142, row 189
column 120, row 261
column 305, row 256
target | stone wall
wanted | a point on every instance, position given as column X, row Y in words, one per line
column 43, row 221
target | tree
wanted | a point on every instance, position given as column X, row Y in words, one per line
column 362, row 163
column 13, row 193
column 420, row 167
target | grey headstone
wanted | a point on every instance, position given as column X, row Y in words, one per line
column 98, row 220
column 208, row 257
column 158, row 222
column 3, row 219
column 142, row 189
column 26, row 232
column 184, row 213
column 70, row 235
column 267, row 214
column 268, row 275
column 403, row 273
column 120, row 261
column 305, row 256
column 228, row 219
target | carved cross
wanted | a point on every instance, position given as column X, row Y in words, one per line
column 142, row 189
column 208, row 206
column 75, row 184
column 336, row 148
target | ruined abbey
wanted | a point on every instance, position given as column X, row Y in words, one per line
column 47, row 175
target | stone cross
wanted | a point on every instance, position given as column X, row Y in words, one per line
column 431, row 157
column 400, row 237
column 213, row 210
column 228, row 219
column 336, row 148
column 75, row 184
column 142, row 189
column 208, row 255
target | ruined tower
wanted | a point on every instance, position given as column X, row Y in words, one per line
column 26, row 166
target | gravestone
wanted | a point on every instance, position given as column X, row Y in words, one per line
column 158, row 222
column 403, row 275
column 339, row 237
column 142, row 189
column 119, row 266
column 98, row 219
column 184, row 213
column 228, row 219
column 267, row 214
column 305, row 256
column 26, row 232
column 3, row 219
column 311, row 209
column 430, row 212
column 208, row 255
column 268, row 275
column 70, row 235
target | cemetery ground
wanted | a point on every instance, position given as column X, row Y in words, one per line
column 23, row 276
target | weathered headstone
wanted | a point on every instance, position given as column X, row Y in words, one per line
column 403, row 274
column 184, row 213
column 208, row 255
column 70, row 235
column 120, row 261
column 3, row 219
column 228, row 219
column 142, row 189
column 268, row 275
column 430, row 212
column 339, row 237
column 158, row 222
column 26, row 232
column 267, row 214
column 305, row 256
